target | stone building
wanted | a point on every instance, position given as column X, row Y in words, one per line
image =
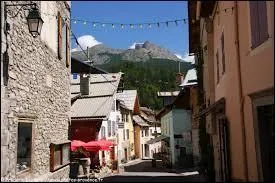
column 35, row 93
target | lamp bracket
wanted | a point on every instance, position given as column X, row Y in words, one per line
column 32, row 5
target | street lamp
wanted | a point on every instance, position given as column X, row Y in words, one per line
column 35, row 22
column 34, row 19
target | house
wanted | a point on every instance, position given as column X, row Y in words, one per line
column 109, row 131
column 190, row 81
column 154, row 130
column 235, row 60
column 176, row 130
column 129, row 107
column 94, row 109
column 35, row 100
column 141, row 128
column 167, row 97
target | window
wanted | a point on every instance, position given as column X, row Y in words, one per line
column 223, row 55
column 109, row 128
column 117, row 105
column 218, row 65
column 24, row 147
column 123, row 118
column 151, row 131
column 103, row 132
column 146, row 132
column 142, row 133
column 127, row 117
column 5, row 68
column 59, row 156
column 74, row 75
column 127, row 134
column 114, row 128
column 123, row 134
column 258, row 21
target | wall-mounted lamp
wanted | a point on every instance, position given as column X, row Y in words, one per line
column 34, row 19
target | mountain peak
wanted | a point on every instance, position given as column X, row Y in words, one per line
column 138, row 52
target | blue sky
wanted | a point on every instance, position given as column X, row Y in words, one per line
column 174, row 38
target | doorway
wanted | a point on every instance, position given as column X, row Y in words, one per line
column 266, row 129
column 224, row 148
column 126, row 154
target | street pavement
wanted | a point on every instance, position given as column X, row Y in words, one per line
column 142, row 171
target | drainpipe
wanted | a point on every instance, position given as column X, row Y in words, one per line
column 198, row 10
column 240, row 91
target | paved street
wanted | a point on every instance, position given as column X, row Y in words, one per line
column 141, row 170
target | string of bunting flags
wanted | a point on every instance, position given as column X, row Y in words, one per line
column 133, row 25
column 130, row 25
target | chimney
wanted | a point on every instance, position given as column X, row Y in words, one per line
column 85, row 84
column 179, row 78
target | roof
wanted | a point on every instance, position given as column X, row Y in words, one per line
column 98, row 103
column 92, row 107
column 74, row 96
column 190, row 78
column 78, row 66
column 100, row 84
column 139, row 120
column 129, row 98
column 148, row 115
column 168, row 94
column 157, row 139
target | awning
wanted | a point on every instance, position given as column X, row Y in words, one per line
column 217, row 107
column 157, row 139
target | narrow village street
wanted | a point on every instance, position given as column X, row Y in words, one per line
column 161, row 91
column 142, row 170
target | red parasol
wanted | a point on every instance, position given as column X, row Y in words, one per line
column 76, row 144
column 92, row 146
column 105, row 144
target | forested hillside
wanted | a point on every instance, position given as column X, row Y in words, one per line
column 148, row 77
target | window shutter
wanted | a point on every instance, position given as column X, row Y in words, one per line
column 254, row 22
column 64, row 40
column 67, row 46
column 263, row 26
column 59, row 36
column 218, row 65
column 223, row 56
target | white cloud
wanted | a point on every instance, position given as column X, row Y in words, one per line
column 134, row 45
column 86, row 41
column 179, row 56
column 186, row 58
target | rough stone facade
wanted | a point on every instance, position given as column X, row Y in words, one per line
column 38, row 91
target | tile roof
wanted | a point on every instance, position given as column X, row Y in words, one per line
column 147, row 114
column 100, row 84
column 139, row 120
column 129, row 98
column 92, row 107
column 100, row 100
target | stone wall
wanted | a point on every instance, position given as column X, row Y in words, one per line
column 38, row 91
